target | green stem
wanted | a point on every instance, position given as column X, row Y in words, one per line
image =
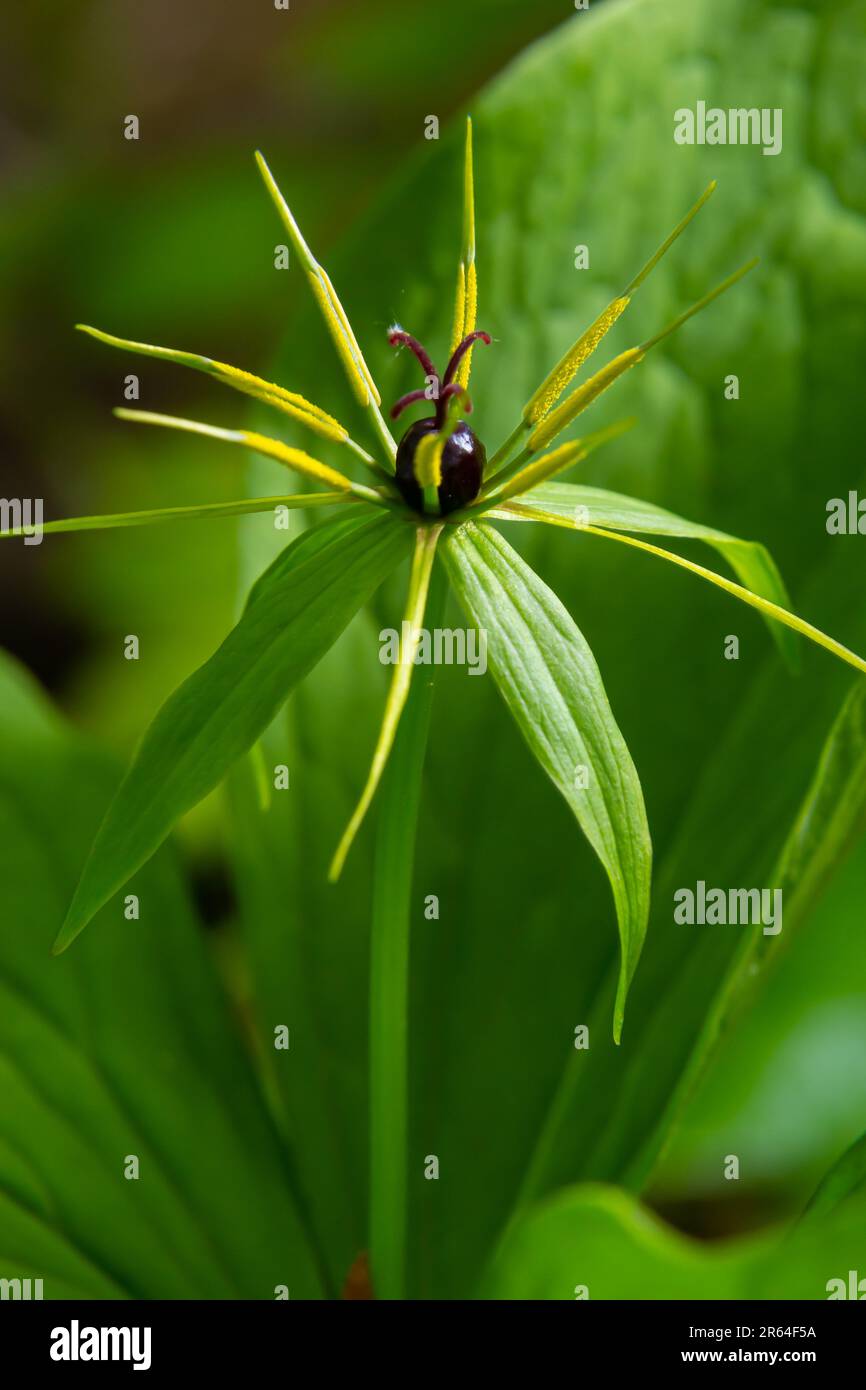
column 389, row 977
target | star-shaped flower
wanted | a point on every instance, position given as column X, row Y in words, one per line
column 432, row 495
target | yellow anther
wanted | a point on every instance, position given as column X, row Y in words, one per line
column 269, row 392
column 469, row 318
column 541, row 469
column 459, row 309
column 568, row 366
column 357, row 354
column 357, row 381
column 583, row 396
column 555, row 383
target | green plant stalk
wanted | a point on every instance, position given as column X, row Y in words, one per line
column 389, row 978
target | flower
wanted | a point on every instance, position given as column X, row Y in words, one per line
column 433, row 494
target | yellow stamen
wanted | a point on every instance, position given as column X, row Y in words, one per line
column 584, row 396
column 357, row 380
column 542, row 469
column 263, row 444
column 295, row 458
column 459, row 309
column 463, row 370
column 555, row 383
column 557, row 380
column 466, row 299
column 269, row 392
column 345, row 341
column 244, row 381
column 350, row 334
column 578, row 401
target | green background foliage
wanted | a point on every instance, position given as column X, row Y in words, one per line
column 573, row 145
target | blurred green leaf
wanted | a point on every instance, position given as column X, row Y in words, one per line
column 124, row 1047
column 833, row 814
column 599, row 1243
column 828, row 825
column 308, row 939
column 830, row 821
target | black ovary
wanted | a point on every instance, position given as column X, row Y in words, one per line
column 463, row 460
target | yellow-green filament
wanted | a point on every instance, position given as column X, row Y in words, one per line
column 669, row 241
column 701, row 304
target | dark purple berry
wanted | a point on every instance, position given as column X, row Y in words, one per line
column 463, row 460
column 463, row 456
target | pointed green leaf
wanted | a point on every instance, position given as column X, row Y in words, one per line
column 128, row 1044
column 832, row 816
column 828, row 824
column 339, row 327
column 304, row 411
column 751, row 562
column 297, row 611
column 548, row 677
column 829, row 821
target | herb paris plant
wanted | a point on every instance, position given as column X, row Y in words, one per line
column 434, row 494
